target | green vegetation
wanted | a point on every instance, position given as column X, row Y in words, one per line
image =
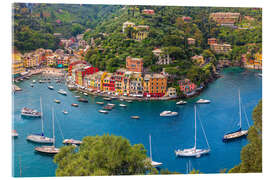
column 251, row 154
column 102, row 155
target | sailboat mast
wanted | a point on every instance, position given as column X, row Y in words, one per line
column 53, row 126
column 195, row 127
column 240, row 113
column 150, row 147
column 42, row 125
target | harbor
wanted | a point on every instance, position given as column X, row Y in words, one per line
column 167, row 133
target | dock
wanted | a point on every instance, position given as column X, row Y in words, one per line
column 16, row 88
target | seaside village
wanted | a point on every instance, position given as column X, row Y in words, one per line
column 129, row 81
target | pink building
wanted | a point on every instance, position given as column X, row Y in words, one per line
column 186, row 86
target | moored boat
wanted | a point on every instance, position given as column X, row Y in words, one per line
column 61, row 91
column 27, row 112
column 85, row 94
column 135, row 117
column 57, row 101
column 83, row 100
column 49, row 149
column 103, row 111
column 14, row 133
column 65, row 112
column 34, row 81
column 181, row 102
column 107, row 99
column 75, row 105
column 72, row 141
column 194, row 152
column 50, row 87
column 153, row 163
column 168, row 113
column 101, row 103
column 238, row 133
column 107, row 107
column 122, row 105
column 129, row 101
column 32, row 85
column 110, row 104
column 203, row 101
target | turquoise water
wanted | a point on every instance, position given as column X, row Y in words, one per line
column 168, row 134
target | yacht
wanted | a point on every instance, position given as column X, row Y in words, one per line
column 194, row 152
column 61, row 91
column 27, row 112
column 168, row 113
column 203, row 101
column 181, row 102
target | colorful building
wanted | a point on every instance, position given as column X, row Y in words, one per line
column 171, row 92
column 191, row 41
column 162, row 58
column 225, row 18
column 186, row 86
column 119, row 76
column 109, row 83
column 155, row 85
column 136, row 84
column 134, row 64
column 148, row 11
column 221, row 48
column 17, row 64
column 126, row 25
column 126, row 82
column 212, row 41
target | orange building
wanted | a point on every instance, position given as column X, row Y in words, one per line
column 212, row 41
column 134, row 64
column 155, row 85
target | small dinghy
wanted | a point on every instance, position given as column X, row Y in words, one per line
column 107, row 99
column 57, row 101
column 65, row 112
column 122, row 105
column 50, row 87
column 135, row 117
column 83, row 100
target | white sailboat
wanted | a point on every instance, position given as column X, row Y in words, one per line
column 49, row 149
column 40, row 138
column 238, row 133
column 194, row 152
column 153, row 163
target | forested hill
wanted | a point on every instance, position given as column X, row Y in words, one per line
column 35, row 24
column 169, row 32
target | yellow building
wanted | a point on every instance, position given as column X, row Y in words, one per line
column 17, row 64
column 136, row 84
column 119, row 75
column 79, row 78
column 126, row 82
column 99, row 77
column 31, row 60
column 258, row 59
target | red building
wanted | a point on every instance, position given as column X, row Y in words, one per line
column 186, row 86
column 186, row 18
column 89, row 70
column 148, row 11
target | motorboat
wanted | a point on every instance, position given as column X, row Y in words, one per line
column 85, row 94
column 168, row 113
column 122, row 105
column 83, row 100
column 50, row 87
column 110, row 104
column 65, row 112
column 101, row 103
column 72, row 141
column 27, row 112
column 135, row 117
column 57, row 101
column 107, row 99
column 107, row 107
column 181, row 102
column 129, row 101
column 34, row 81
column 103, row 111
column 14, row 133
column 75, row 105
column 203, row 101
column 32, row 85
column 61, row 91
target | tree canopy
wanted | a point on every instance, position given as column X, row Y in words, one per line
column 251, row 154
column 102, row 155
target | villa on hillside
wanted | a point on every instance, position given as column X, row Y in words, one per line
column 186, row 86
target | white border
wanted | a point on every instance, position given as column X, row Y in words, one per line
column 5, row 65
